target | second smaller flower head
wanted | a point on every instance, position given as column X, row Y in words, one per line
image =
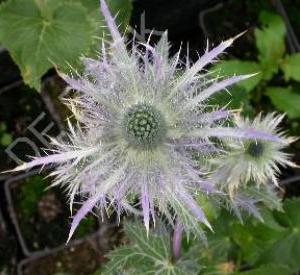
column 253, row 161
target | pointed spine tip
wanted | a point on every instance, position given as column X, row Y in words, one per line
column 19, row 168
column 246, row 76
column 209, row 226
column 69, row 237
column 232, row 39
column 72, row 230
column 239, row 35
column 254, row 74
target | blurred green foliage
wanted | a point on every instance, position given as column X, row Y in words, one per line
column 272, row 247
column 30, row 194
column 272, row 62
column 5, row 137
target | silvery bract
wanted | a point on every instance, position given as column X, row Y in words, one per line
column 142, row 117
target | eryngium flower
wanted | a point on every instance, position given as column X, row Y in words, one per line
column 141, row 116
column 254, row 162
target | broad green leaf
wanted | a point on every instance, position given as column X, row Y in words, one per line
column 120, row 8
column 123, row 9
column 142, row 254
column 147, row 254
column 216, row 257
column 286, row 250
column 291, row 67
column 291, row 215
column 231, row 67
column 219, row 242
column 273, row 269
column 253, row 237
column 285, row 100
column 270, row 42
column 153, row 244
column 43, row 33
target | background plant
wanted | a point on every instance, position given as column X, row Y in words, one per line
column 271, row 247
column 279, row 72
column 234, row 248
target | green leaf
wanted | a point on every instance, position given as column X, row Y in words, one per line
column 285, row 100
column 291, row 215
column 216, row 257
column 291, row 67
column 43, row 33
column 286, row 250
column 238, row 67
column 121, row 8
column 147, row 254
column 253, row 238
column 273, row 269
column 144, row 253
column 270, row 42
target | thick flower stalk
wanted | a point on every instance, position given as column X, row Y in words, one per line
column 141, row 117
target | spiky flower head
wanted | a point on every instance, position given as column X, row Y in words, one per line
column 141, row 117
column 254, row 161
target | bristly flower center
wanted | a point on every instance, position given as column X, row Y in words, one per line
column 144, row 126
column 255, row 149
